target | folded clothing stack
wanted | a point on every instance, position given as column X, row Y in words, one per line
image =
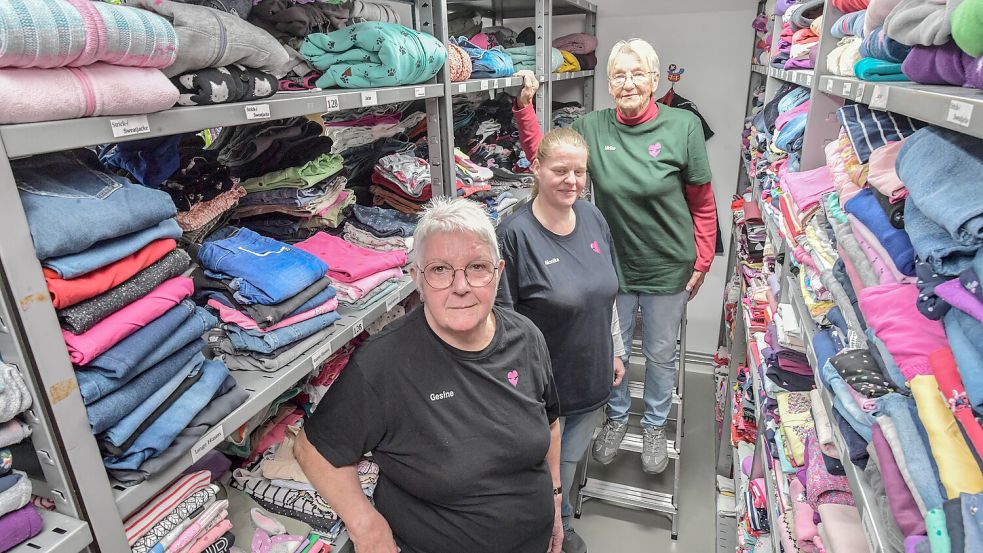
column 64, row 59
column 19, row 520
column 402, row 182
column 363, row 276
column 486, row 63
column 379, row 228
column 805, row 23
column 577, row 50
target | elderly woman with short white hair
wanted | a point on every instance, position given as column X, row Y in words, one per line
column 651, row 182
column 456, row 403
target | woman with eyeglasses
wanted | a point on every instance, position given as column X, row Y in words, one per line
column 651, row 181
column 456, row 403
column 560, row 272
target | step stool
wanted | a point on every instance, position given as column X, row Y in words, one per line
column 641, row 498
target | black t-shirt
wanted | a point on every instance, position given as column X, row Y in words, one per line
column 567, row 286
column 460, row 437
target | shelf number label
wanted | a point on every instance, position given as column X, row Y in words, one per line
column 332, row 103
column 392, row 300
column 847, row 89
column 322, row 354
column 129, row 126
column 207, row 443
column 829, row 85
column 860, row 92
column 808, row 80
column 484, row 84
column 419, row 92
column 369, row 98
column 960, row 113
column 463, row 87
column 258, row 111
column 878, row 99
column 357, row 328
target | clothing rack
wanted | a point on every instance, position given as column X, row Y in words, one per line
column 89, row 506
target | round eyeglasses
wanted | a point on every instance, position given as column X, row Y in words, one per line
column 619, row 79
column 440, row 275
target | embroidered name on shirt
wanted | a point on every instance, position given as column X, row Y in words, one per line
column 552, row 261
column 610, row 149
column 441, row 395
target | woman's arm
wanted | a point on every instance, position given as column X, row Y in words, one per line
column 530, row 133
column 340, row 487
column 703, row 207
column 553, row 461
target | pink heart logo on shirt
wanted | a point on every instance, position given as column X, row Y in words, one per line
column 595, row 247
column 655, row 149
column 513, row 377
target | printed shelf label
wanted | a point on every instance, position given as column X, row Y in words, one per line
column 128, row 126
column 258, row 111
column 370, row 98
column 960, row 113
column 332, row 103
column 207, row 443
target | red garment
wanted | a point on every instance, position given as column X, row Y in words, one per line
column 381, row 180
column 67, row 292
column 850, row 6
column 944, row 367
column 699, row 195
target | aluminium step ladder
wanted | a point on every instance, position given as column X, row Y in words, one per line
column 642, row 498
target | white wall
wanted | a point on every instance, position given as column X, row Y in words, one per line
column 715, row 50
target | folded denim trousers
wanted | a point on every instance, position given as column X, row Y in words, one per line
column 934, row 245
column 262, row 270
column 269, row 315
column 914, row 451
column 71, row 204
column 162, row 433
column 242, row 340
column 277, row 359
column 112, row 250
column 385, row 222
column 143, row 349
column 109, row 410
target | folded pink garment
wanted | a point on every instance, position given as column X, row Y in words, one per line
column 910, row 337
column 881, row 174
column 348, row 262
column 790, row 114
column 238, row 318
column 83, row 348
column 210, row 537
column 576, row 43
column 862, row 401
column 357, row 290
column 30, row 95
column 843, row 528
column 808, row 187
column 805, row 528
column 879, row 259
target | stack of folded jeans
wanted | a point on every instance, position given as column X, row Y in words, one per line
column 362, row 276
column 381, row 229
column 273, row 299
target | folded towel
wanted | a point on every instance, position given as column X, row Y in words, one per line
column 847, row 6
column 576, row 43
column 924, row 22
column 842, row 58
column 851, row 24
column 223, row 85
column 870, row 69
column 30, row 95
column 58, row 33
column 877, row 12
column 880, row 46
column 945, row 65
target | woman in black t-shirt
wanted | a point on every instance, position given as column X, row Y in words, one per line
column 560, row 272
column 457, row 405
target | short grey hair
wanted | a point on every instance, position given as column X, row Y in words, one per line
column 640, row 48
column 454, row 215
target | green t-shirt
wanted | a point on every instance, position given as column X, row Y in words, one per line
column 638, row 175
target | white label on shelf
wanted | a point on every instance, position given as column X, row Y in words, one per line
column 136, row 124
column 419, row 92
column 860, row 92
column 392, row 300
column 322, row 354
column 869, row 532
column 960, row 113
column 357, row 328
column 878, row 99
column 484, row 84
column 847, row 89
column 258, row 111
column 808, row 80
column 332, row 103
column 829, row 85
column 207, row 443
column 463, row 87
column 369, row 98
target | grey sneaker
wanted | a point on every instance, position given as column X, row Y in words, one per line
column 572, row 543
column 655, row 454
column 608, row 441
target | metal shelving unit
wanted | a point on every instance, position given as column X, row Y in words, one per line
column 556, row 77
column 90, row 506
column 801, row 77
column 759, row 69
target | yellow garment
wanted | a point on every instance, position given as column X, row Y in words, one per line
column 957, row 466
column 817, row 26
column 795, row 412
column 570, row 63
column 817, row 309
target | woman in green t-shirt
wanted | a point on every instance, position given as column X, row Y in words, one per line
column 651, row 177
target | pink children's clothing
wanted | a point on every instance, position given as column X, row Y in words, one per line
column 879, row 259
column 807, row 188
column 882, row 175
column 348, row 262
column 238, row 318
column 909, row 337
column 355, row 291
column 83, row 348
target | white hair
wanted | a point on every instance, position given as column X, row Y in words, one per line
column 454, row 215
column 642, row 49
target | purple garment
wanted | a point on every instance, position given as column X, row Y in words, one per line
column 946, row 64
column 789, row 360
column 19, row 526
column 899, row 496
column 911, row 543
column 807, row 63
column 955, row 295
column 782, row 5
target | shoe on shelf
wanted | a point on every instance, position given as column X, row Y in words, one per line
column 655, row 453
column 573, row 543
column 608, row 441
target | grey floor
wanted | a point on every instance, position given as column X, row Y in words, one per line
column 608, row 528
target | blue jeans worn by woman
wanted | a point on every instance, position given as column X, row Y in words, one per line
column 577, row 431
